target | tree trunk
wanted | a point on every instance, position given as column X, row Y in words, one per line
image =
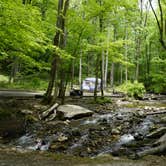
column 99, row 59
column 102, row 81
column 62, row 88
column 102, row 74
column 103, row 67
column 112, row 65
column 72, row 73
column 126, row 69
column 88, row 65
column 52, row 79
column 112, row 76
column 148, row 58
column 137, row 59
column 14, row 70
column 97, row 76
column 121, row 74
column 59, row 41
column 160, row 23
column 80, row 71
column 106, row 69
column 106, row 59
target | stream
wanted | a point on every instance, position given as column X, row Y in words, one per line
column 120, row 132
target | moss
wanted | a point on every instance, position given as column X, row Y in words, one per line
column 101, row 100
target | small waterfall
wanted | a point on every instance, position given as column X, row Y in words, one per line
column 106, row 118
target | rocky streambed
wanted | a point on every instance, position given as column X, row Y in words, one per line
column 122, row 128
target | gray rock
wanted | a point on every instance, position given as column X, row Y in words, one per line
column 72, row 112
column 62, row 138
column 115, row 131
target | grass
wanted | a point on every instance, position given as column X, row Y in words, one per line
column 31, row 83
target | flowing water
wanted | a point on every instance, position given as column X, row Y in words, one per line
column 121, row 132
column 100, row 134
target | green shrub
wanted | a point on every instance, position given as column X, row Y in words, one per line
column 35, row 82
column 158, row 83
column 136, row 89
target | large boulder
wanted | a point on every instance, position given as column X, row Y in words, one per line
column 72, row 112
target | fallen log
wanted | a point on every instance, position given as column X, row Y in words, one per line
column 155, row 150
column 161, row 140
column 157, row 133
column 156, row 112
column 48, row 112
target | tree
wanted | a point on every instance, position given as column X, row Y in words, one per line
column 22, row 39
column 160, row 21
column 59, row 41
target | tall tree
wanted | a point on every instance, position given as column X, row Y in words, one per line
column 161, row 21
column 59, row 41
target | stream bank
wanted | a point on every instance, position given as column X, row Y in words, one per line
column 12, row 158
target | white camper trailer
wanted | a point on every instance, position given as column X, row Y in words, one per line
column 89, row 84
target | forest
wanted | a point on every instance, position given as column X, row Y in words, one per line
column 49, row 49
column 49, row 43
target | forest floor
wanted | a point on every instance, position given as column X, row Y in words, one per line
column 10, row 156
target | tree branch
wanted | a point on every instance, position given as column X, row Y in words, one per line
column 160, row 25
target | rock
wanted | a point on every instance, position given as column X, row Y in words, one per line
column 120, row 117
column 115, row 131
column 157, row 133
column 141, row 113
column 26, row 111
column 62, row 138
column 40, row 145
column 147, row 108
column 72, row 112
